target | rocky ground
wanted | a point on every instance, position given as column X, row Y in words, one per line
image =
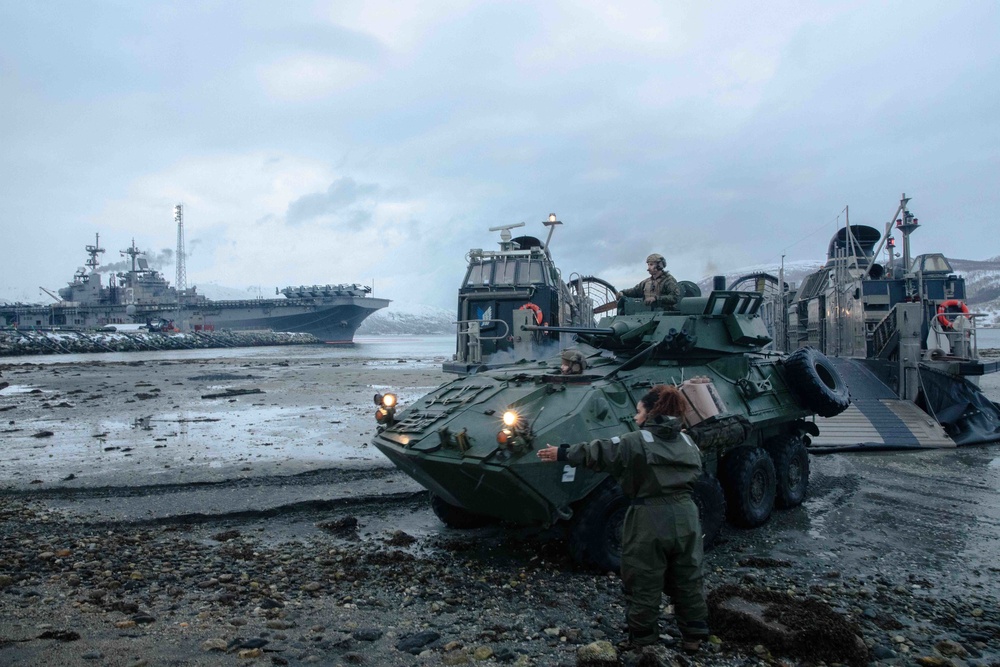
column 194, row 549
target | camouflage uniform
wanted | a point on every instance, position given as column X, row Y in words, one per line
column 664, row 289
column 656, row 467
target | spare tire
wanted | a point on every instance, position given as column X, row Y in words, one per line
column 816, row 383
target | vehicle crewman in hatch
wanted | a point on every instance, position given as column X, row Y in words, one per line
column 573, row 362
column 659, row 289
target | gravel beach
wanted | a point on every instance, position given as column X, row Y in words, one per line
column 220, row 510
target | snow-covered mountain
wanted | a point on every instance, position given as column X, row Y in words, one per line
column 408, row 319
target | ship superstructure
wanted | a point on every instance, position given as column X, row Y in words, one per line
column 900, row 333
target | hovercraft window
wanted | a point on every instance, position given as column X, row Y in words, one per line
column 479, row 274
column 505, row 272
column 531, row 274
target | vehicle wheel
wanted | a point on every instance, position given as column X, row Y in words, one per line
column 595, row 536
column 816, row 382
column 455, row 516
column 791, row 469
column 749, row 483
column 711, row 504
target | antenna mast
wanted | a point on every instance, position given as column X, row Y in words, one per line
column 181, row 282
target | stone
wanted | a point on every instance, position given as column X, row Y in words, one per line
column 415, row 643
column 597, row 654
column 482, row 653
column 367, row 634
column 880, row 652
column 455, row 658
column 215, row 644
column 948, row 647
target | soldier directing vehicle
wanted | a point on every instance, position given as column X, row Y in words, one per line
column 657, row 468
column 659, row 289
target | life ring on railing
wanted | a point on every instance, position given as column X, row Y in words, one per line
column 536, row 309
column 951, row 306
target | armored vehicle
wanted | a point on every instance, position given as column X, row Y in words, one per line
column 472, row 441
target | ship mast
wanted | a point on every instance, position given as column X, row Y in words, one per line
column 94, row 251
column 132, row 252
column 180, row 283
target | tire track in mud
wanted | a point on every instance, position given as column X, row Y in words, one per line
column 361, row 505
column 326, row 476
column 375, row 491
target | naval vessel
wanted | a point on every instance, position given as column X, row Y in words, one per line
column 141, row 295
column 901, row 334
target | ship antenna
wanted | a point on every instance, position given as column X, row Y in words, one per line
column 181, row 282
column 134, row 253
column 94, row 251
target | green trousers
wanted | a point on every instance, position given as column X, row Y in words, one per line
column 662, row 553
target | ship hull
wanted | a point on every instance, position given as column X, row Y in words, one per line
column 331, row 320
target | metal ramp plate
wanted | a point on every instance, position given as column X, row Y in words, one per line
column 880, row 423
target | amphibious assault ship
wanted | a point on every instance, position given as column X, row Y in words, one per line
column 141, row 295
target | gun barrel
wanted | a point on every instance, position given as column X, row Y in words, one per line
column 578, row 330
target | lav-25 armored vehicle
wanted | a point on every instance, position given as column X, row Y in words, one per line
column 472, row 441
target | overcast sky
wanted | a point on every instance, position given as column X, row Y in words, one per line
column 327, row 142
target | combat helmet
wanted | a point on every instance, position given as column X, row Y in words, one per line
column 575, row 360
column 658, row 258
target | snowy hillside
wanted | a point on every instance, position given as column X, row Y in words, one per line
column 408, row 319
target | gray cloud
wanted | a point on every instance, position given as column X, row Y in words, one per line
column 342, row 193
column 719, row 135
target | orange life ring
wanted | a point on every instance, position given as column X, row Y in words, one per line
column 945, row 307
column 537, row 310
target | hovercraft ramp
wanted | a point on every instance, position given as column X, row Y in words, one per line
column 877, row 419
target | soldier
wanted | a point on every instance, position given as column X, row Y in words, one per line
column 656, row 468
column 659, row 289
column 573, row 362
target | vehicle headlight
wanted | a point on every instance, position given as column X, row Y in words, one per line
column 386, row 408
column 385, row 400
column 515, row 435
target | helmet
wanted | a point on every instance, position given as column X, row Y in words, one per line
column 658, row 258
column 575, row 360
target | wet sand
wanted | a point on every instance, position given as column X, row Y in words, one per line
column 154, row 527
column 171, row 421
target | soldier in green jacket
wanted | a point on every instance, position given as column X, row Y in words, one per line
column 660, row 289
column 656, row 468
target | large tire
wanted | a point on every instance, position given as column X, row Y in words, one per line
column 749, row 484
column 595, row 536
column 816, row 382
column 455, row 516
column 711, row 502
column 791, row 468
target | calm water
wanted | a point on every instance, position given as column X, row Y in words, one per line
column 429, row 348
